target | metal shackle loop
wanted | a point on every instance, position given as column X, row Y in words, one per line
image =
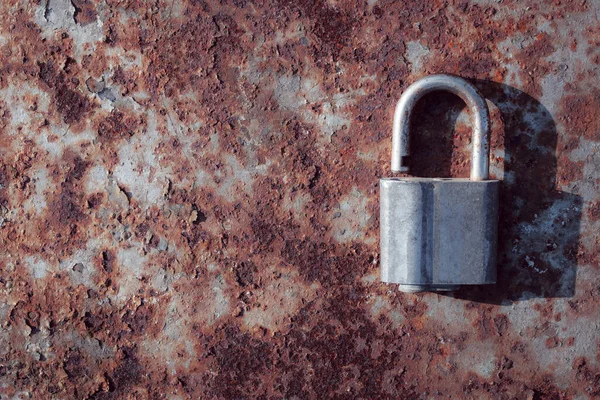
column 478, row 109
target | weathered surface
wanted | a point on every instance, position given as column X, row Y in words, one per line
column 189, row 199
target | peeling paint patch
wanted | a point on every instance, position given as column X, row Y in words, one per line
column 38, row 268
column 350, row 218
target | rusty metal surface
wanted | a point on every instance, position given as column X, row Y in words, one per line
column 189, row 201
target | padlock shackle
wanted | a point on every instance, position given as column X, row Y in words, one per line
column 478, row 109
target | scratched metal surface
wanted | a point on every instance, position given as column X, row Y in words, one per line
column 189, row 199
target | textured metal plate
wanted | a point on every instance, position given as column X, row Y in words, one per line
column 189, row 200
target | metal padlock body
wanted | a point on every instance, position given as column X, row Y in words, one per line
column 439, row 233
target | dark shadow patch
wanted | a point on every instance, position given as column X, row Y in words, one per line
column 539, row 225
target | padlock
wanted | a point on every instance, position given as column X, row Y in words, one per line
column 439, row 233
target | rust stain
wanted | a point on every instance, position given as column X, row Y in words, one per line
column 189, row 204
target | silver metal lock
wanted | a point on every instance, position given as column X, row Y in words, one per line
column 439, row 233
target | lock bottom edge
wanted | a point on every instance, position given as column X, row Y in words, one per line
column 419, row 288
column 427, row 288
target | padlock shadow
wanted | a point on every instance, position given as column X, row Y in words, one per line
column 538, row 225
column 432, row 132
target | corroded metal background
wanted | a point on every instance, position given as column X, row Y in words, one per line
column 189, row 199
